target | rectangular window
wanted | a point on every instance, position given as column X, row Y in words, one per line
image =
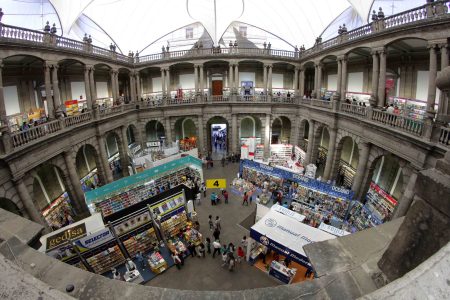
column 189, row 33
column 243, row 30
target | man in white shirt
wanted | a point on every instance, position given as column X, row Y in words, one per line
column 390, row 109
column 217, row 246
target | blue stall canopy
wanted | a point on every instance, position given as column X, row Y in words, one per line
column 287, row 236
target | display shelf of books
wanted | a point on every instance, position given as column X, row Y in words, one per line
column 106, row 260
column 280, row 153
column 259, row 152
column 173, row 225
column 348, row 172
column 193, row 236
column 135, row 194
column 413, row 108
column 157, row 263
column 300, row 155
column 258, row 178
column 380, row 203
column 143, row 242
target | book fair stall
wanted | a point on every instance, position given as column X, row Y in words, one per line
column 134, row 224
column 279, row 237
column 58, row 212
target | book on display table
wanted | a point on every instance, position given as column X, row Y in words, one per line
column 193, row 236
column 172, row 226
column 157, row 263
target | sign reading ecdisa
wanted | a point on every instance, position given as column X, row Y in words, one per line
column 65, row 236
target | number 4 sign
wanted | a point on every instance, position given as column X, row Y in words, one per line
column 216, row 183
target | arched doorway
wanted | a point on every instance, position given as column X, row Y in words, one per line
column 10, row 206
column 86, row 164
column 323, row 138
column 154, row 131
column 52, row 197
column 348, row 154
column 186, row 133
column 281, row 130
column 250, row 134
column 112, row 150
column 217, row 136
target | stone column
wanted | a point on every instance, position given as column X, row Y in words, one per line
column 407, row 197
column 123, row 152
column 168, row 132
column 133, row 87
column 230, row 79
column 309, row 150
column 116, row 82
column 361, row 169
column 113, row 85
column 104, row 159
column 168, row 81
column 201, row 85
column 339, row 76
column 330, row 154
column 201, row 137
column 87, row 89
column 431, row 99
column 196, row 83
column 236, row 77
column 343, row 78
column 381, row 95
column 443, row 109
column 79, row 203
column 319, row 79
column 92, row 85
column 302, row 82
column 314, row 93
column 375, row 75
column 163, row 82
column 265, row 79
column 138, row 87
column 234, row 133
column 269, row 80
column 295, row 132
column 267, row 136
column 28, row 204
column 295, row 83
column 55, row 86
column 48, row 91
column 3, row 118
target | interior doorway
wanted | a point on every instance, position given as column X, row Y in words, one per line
column 217, row 88
column 219, row 140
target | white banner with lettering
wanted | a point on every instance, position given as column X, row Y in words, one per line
column 333, row 230
column 287, row 212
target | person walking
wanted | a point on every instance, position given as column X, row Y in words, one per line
column 213, row 198
column 210, row 222
column 216, row 233
column 231, row 247
column 203, row 189
column 240, row 254
column 201, row 250
column 176, row 260
column 191, row 248
column 231, row 262
column 225, row 196
column 140, row 259
column 216, row 246
column 245, row 200
column 217, row 223
column 208, row 245
column 224, row 252
column 244, row 242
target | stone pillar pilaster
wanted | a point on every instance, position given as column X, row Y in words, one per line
column 3, row 118
column 168, row 131
column 201, row 137
column 55, row 86
column 234, row 133
column 79, row 203
column 309, row 150
column 316, row 76
column 123, row 151
column 138, row 87
column 116, row 83
column 87, row 89
column 269, row 80
column 230, row 79
column 343, row 78
column 132, row 87
column 361, row 169
column 196, row 83
column 267, row 136
column 295, row 83
column 375, row 76
column 236, row 77
column 431, row 98
column 28, row 204
column 381, row 95
column 302, row 82
column 113, row 85
column 295, row 132
column 48, row 91
column 407, row 197
column 92, row 85
column 443, row 108
column 202, row 80
column 265, row 79
column 339, row 76
column 331, row 153
column 163, row 82
column 104, row 159
column 168, row 81
column 319, row 80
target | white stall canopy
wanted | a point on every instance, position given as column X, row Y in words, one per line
column 287, row 235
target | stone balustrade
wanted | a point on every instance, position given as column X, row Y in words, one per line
column 429, row 11
column 444, row 136
column 214, row 99
column 34, row 133
column 355, row 110
column 402, row 123
column 321, row 103
column 77, row 119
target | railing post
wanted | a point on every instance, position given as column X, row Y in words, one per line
column 369, row 112
column 96, row 112
column 62, row 124
column 7, row 141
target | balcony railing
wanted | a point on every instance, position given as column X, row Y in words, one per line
column 355, row 110
column 444, row 136
column 179, row 101
column 24, row 137
column 215, row 99
column 428, row 11
column 397, row 121
column 77, row 119
column 321, row 103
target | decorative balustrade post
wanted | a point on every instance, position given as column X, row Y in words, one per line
column 369, row 111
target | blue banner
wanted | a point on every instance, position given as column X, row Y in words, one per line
column 304, row 181
column 140, row 178
column 283, row 250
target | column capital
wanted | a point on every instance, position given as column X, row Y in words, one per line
column 379, row 50
column 342, row 57
column 432, row 46
column 50, row 64
column 441, row 46
column 319, row 64
column 268, row 65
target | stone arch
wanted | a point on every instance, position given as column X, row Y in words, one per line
column 10, row 206
column 102, row 65
column 303, row 133
column 185, row 127
column 76, row 60
column 26, row 55
column 346, row 160
column 281, row 128
column 357, row 49
column 132, row 134
column 217, row 120
column 115, row 148
column 87, row 160
column 154, row 129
